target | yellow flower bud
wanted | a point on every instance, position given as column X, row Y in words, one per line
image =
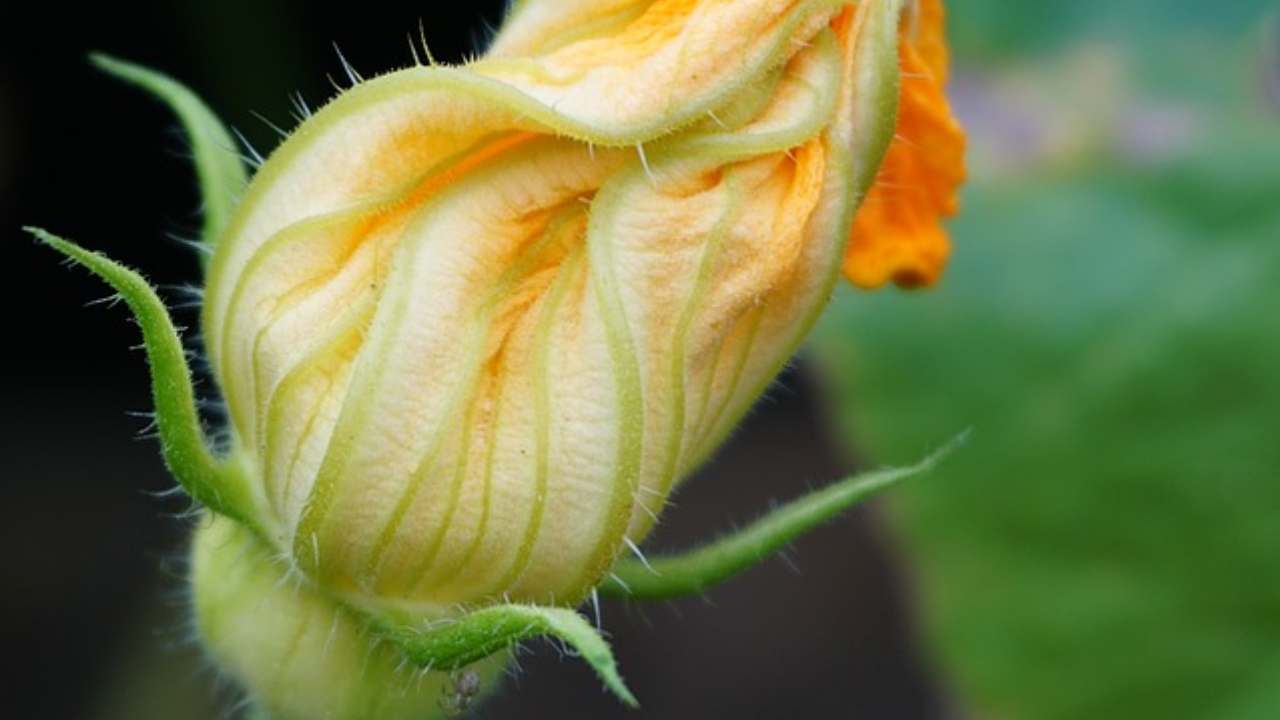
column 474, row 324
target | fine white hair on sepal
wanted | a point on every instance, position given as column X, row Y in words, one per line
column 426, row 49
column 109, row 300
column 785, row 556
column 254, row 159
column 302, row 111
column 483, row 36
column 352, row 74
column 199, row 246
column 620, row 582
column 644, row 163
column 147, row 415
column 639, row 502
column 595, row 608
column 284, row 134
column 169, row 492
column 413, row 50
column 192, row 296
column 635, row 550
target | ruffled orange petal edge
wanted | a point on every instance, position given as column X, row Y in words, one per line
column 897, row 234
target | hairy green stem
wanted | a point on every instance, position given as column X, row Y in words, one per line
column 694, row 571
column 453, row 644
column 217, row 485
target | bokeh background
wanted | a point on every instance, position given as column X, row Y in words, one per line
column 1104, row 546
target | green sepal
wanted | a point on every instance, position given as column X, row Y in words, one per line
column 216, row 485
column 455, row 643
column 219, row 168
column 695, row 571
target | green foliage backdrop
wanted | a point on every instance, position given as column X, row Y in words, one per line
column 1107, row 544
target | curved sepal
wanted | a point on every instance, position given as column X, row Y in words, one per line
column 220, row 170
column 218, row 486
column 454, row 644
column 695, row 571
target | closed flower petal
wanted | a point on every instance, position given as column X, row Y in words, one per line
column 475, row 324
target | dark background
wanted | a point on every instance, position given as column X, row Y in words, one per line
column 92, row 603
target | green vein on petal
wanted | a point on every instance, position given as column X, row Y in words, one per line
column 677, row 436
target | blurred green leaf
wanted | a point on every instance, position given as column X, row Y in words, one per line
column 1107, row 544
column 999, row 28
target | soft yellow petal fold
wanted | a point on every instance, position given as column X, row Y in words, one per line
column 475, row 324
